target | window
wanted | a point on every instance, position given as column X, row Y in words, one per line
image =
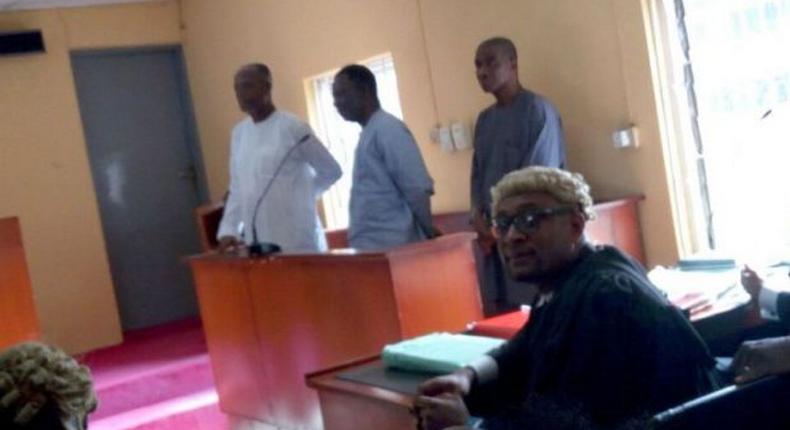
column 341, row 136
column 727, row 81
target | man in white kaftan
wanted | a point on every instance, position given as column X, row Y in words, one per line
column 278, row 166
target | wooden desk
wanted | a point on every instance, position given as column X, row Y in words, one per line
column 269, row 321
column 349, row 405
column 17, row 309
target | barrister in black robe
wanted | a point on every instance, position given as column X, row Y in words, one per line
column 607, row 339
column 600, row 336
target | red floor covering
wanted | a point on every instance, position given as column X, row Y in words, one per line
column 158, row 378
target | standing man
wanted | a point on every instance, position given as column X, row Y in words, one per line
column 521, row 129
column 278, row 169
column 391, row 189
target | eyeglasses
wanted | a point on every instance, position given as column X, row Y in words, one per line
column 525, row 222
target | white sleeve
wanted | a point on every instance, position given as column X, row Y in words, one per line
column 327, row 171
column 231, row 216
column 768, row 299
column 486, row 369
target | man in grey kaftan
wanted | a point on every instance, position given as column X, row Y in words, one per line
column 521, row 129
column 391, row 189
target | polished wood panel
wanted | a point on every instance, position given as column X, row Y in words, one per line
column 208, row 218
column 271, row 320
column 344, row 403
column 617, row 223
column 337, row 239
column 17, row 309
column 230, row 326
column 426, row 275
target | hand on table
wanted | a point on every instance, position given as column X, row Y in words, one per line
column 440, row 402
column 752, row 282
column 228, row 244
column 763, row 357
column 459, row 382
column 440, row 412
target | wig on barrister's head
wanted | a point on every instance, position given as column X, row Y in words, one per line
column 566, row 187
column 39, row 382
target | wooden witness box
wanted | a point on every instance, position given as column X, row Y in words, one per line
column 17, row 309
column 269, row 321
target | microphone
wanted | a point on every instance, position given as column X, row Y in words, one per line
column 258, row 248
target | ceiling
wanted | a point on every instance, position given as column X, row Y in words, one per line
column 6, row 5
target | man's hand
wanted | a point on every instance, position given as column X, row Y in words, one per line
column 751, row 282
column 763, row 357
column 228, row 244
column 440, row 412
column 459, row 382
column 433, row 232
column 484, row 236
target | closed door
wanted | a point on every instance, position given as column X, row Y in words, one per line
column 146, row 168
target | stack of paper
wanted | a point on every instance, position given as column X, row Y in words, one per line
column 706, row 264
column 678, row 284
column 438, row 352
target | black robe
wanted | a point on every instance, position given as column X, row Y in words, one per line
column 608, row 341
column 783, row 308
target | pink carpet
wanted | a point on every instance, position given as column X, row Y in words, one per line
column 158, row 378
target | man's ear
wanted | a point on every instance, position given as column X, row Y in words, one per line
column 578, row 223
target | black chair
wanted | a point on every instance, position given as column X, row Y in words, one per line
column 762, row 404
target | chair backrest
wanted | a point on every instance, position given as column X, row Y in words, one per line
column 763, row 404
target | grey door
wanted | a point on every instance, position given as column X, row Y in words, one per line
column 141, row 139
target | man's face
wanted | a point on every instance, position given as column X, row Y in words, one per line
column 253, row 92
column 494, row 68
column 348, row 99
column 544, row 247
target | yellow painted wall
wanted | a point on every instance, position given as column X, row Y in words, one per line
column 299, row 39
column 45, row 176
column 588, row 56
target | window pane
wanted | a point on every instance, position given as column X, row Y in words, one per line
column 738, row 50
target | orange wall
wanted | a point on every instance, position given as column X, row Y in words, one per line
column 588, row 56
column 298, row 45
column 45, row 177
